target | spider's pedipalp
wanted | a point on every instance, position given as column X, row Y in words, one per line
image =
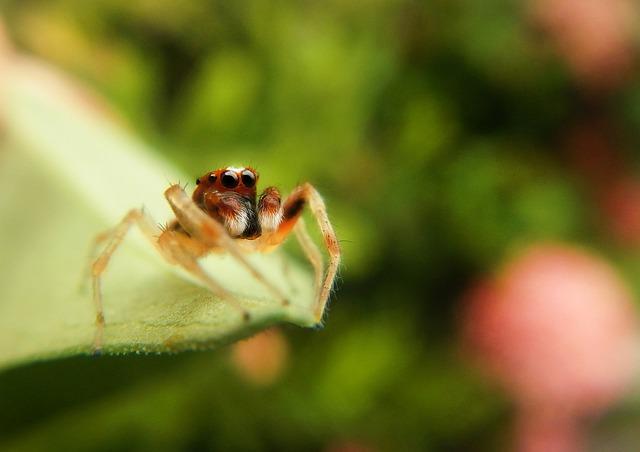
column 270, row 209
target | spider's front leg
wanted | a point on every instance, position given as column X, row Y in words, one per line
column 212, row 234
column 290, row 218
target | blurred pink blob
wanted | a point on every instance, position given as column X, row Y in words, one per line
column 558, row 329
column 596, row 37
column 262, row 359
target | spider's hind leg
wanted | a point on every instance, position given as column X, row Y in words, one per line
column 301, row 196
column 311, row 251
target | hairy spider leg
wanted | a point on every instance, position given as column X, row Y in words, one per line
column 293, row 207
column 310, row 250
column 213, row 234
column 174, row 247
column 270, row 215
column 114, row 237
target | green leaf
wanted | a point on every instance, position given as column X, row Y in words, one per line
column 67, row 172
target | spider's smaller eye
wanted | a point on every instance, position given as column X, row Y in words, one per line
column 248, row 178
column 229, row 179
column 212, row 178
column 198, row 181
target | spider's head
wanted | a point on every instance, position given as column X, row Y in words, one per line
column 229, row 195
column 231, row 179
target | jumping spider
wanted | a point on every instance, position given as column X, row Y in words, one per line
column 225, row 215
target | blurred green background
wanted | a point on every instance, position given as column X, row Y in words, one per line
column 442, row 134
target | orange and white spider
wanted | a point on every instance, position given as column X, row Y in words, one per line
column 224, row 214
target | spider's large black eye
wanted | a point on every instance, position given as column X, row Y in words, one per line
column 229, row 179
column 212, row 178
column 248, row 178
